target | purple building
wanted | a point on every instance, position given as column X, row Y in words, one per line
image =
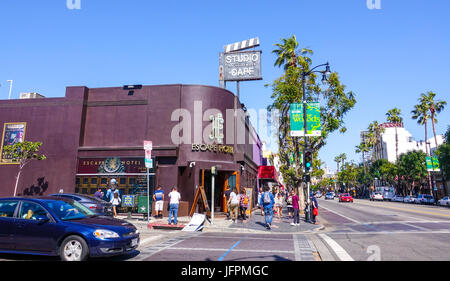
column 93, row 135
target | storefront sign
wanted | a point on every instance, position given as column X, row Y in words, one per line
column 240, row 66
column 12, row 133
column 111, row 165
column 213, row 148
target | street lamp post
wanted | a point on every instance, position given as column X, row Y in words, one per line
column 305, row 128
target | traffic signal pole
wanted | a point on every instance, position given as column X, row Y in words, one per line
column 305, row 130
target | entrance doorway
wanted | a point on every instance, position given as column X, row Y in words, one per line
column 221, row 181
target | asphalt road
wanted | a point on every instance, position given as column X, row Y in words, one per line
column 389, row 231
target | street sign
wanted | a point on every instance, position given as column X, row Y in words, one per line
column 148, row 146
column 241, row 66
column 314, row 128
column 128, row 201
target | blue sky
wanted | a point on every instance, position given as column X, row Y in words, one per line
column 386, row 57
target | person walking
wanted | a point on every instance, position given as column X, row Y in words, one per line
column 233, row 202
column 314, row 208
column 115, row 201
column 243, row 199
column 111, row 190
column 158, row 198
column 267, row 202
column 99, row 194
column 173, row 205
column 279, row 205
column 296, row 208
column 226, row 196
column 259, row 200
column 289, row 205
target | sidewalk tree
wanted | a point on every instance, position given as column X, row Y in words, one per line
column 335, row 103
column 443, row 153
column 435, row 107
column 412, row 169
column 393, row 115
column 23, row 153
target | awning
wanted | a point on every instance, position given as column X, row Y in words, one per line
column 268, row 173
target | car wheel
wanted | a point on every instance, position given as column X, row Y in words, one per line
column 74, row 248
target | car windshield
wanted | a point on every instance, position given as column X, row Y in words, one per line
column 69, row 210
column 345, row 194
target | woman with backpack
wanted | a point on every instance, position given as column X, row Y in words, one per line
column 243, row 198
column 289, row 205
column 267, row 201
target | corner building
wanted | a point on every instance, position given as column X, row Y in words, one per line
column 93, row 135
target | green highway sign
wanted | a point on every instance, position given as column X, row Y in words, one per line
column 314, row 128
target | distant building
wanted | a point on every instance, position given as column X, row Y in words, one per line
column 24, row 96
column 406, row 142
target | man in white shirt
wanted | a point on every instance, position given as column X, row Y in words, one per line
column 173, row 205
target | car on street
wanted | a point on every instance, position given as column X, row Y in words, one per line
column 424, row 199
column 318, row 194
column 56, row 226
column 98, row 206
column 444, row 201
column 376, row 196
column 329, row 195
column 409, row 199
column 397, row 198
column 345, row 197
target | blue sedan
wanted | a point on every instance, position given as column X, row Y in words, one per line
column 329, row 195
column 56, row 226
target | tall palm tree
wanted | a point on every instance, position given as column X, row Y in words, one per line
column 393, row 115
column 420, row 113
column 288, row 54
column 435, row 107
column 343, row 157
column 337, row 159
column 362, row 148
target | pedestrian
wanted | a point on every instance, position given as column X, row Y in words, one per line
column 314, row 208
column 243, row 199
column 259, row 205
column 289, row 205
column 173, row 205
column 112, row 189
column 98, row 194
column 296, row 208
column 279, row 205
column 158, row 198
column 226, row 196
column 267, row 202
column 233, row 202
column 115, row 201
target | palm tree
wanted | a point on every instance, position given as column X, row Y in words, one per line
column 287, row 53
column 420, row 113
column 435, row 107
column 343, row 157
column 393, row 115
column 337, row 159
column 362, row 148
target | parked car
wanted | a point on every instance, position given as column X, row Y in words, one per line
column 329, row 195
column 424, row 199
column 397, row 198
column 318, row 194
column 98, row 206
column 345, row 197
column 409, row 199
column 57, row 226
column 444, row 201
column 376, row 196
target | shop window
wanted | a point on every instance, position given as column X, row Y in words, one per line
column 122, row 181
column 92, row 191
column 94, row 181
column 77, row 181
column 132, row 181
column 84, row 191
column 77, row 190
column 85, row 181
column 104, row 181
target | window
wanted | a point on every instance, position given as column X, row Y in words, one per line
column 85, row 181
column 122, row 181
column 7, row 208
column 104, row 181
column 31, row 211
column 94, row 181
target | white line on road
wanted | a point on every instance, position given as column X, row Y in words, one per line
column 150, row 239
column 339, row 214
column 340, row 252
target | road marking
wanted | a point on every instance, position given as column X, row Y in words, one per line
column 414, row 210
column 234, row 250
column 338, row 250
column 150, row 239
column 229, row 250
column 339, row 214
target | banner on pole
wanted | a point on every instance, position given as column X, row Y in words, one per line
column 314, row 127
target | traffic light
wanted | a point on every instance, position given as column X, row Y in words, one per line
column 308, row 156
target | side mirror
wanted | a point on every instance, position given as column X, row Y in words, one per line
column 42, row 219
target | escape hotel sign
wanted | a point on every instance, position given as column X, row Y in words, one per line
column 240, row 66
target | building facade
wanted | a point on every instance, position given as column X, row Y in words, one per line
column 93, row 135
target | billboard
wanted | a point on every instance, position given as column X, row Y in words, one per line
column 12, row 133
column 240, row 66
column 314, row 128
